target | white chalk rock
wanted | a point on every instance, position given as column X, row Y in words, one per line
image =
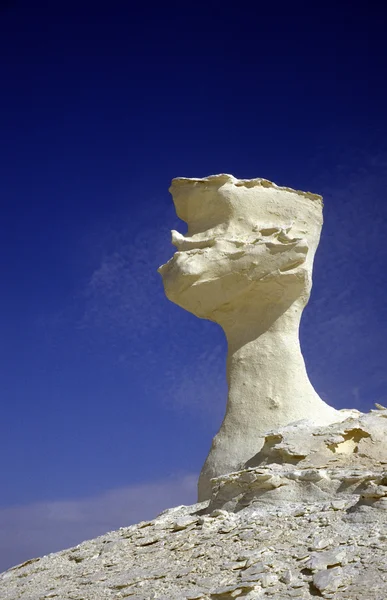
column 306, row 463
column 246, row 263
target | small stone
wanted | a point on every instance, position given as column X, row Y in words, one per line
column 255, row 594
column 227, row 527
column 246, row 535
column 223, row 590
column 268, row 579
column 328, row 580
column 321, row 543
column 252, row 572
column 295, row 593
column 233, row 566
column 143, row 524
column 184, row 522
column 206, row 582
column 220, row 513
column 338, row 504
column 251, row 556
column 148, row 541
column 287, row 577
column 301, row 554
column 322, row 560
column 231, row 590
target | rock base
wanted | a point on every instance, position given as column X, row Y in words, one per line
column 308, row 520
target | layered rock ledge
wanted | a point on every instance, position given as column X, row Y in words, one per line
column 305, row 519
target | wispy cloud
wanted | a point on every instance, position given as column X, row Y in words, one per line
column 200, row 389
column 344, row 343
column 37, row 529
column 123, row 291
column 118, row 290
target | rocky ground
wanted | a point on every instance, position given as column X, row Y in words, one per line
column 308, row 520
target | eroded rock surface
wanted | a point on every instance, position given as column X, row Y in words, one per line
column 305, row 463
column 309, row 520
column 246, row 263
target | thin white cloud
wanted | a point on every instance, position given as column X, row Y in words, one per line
column 123, row 286
column 124, row 298
column 200, row 389
column 124, row 292
column 341, row 329
column 43, row 527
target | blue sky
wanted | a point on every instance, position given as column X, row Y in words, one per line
column 110, row 394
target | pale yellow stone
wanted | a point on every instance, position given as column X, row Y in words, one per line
column 246, row 263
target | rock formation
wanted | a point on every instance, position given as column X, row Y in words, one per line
column 246, row 263
column 303, row 514
column 309, row 521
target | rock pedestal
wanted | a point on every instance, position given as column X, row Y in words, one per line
column 246, row 263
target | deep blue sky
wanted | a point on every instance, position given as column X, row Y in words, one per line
column 110, row 394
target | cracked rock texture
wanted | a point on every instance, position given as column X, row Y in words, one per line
column 307, row 519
